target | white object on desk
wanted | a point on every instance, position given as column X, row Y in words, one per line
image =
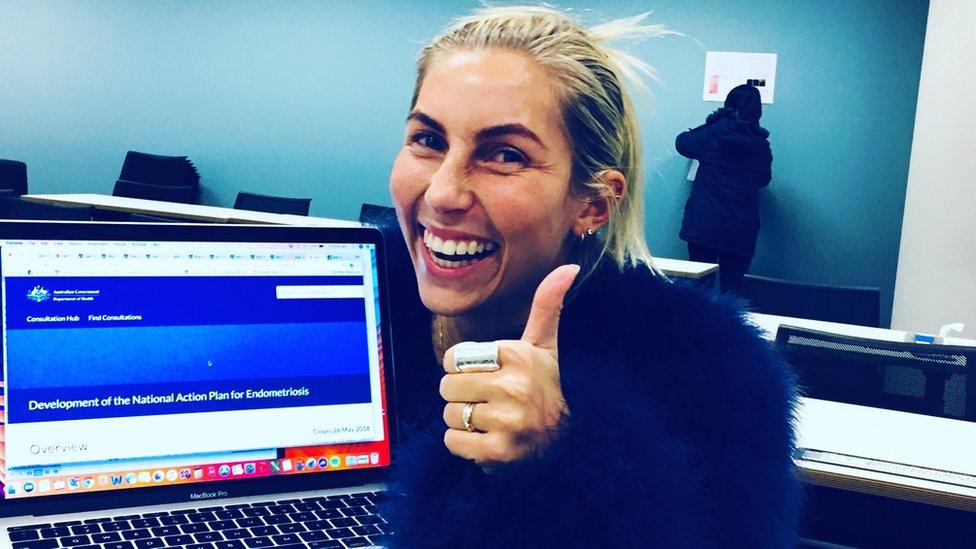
column 190, row 212
column 956, row 327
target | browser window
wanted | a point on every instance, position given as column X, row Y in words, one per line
column 131, row 364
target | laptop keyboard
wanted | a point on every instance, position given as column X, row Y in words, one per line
column 348, row 520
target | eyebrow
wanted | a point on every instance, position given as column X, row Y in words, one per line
column 510, row 129
column 426, row 120
column 483, row 134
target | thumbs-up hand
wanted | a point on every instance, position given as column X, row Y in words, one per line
column 517, row 411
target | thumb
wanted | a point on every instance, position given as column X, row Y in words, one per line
column 542, row 328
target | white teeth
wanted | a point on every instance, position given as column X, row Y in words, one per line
column 455, row 248
column 436, row 244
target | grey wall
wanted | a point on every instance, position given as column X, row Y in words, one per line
column 937, row 260
column 308, row 99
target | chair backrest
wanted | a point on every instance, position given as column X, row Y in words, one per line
column 376, row 214
column 846, row 304
column 157, row 169
column 16, row 208
column 148, row 191
column 908, row 377
column 272, row 204
column 13, row 176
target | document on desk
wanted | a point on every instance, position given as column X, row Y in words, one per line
column 912, row 447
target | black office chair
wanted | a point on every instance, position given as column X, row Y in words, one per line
column 144, row 175
column 907, row 377
column 846, row 304
column 149, row 191
column 272, row 204
column 376, row 215
column 13, row 177
column 143, row 218
column 16, row 208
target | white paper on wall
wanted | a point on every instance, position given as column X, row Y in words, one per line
column 693, row 170
column 725, row 70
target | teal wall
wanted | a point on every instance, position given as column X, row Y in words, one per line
column 309, row 98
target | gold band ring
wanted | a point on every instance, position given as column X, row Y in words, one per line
column 466, row 416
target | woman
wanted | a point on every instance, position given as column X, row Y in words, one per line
column 721, row 221
column 609, row 407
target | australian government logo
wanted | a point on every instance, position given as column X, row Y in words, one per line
column 39, row 294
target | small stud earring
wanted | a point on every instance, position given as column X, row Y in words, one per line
column 589, row 232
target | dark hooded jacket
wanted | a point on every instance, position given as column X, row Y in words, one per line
column 735, row 162
column 679, row 434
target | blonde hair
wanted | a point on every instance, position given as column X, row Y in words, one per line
column 597, row 111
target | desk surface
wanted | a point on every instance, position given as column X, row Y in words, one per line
column 684, row 269
column 190, row 212
column 770, row 323
column 883, row 452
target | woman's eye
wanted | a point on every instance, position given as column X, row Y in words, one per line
column 428, row 140
column 507, row 155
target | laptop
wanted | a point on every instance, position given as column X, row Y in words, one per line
column 199, row 386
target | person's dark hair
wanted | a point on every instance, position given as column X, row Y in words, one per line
column 743, row 103
column 746, row 101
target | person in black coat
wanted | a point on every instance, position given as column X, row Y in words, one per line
column 604, row 406
column 721, row 222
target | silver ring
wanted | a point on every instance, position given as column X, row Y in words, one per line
column 472, row 356
column 466, row 416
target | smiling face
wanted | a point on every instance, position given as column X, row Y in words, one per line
column 482, row 184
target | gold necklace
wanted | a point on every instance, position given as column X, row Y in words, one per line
column 440, row 337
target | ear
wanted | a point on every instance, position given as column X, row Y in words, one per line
column 596, row 211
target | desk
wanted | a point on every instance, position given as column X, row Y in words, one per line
column 884, row 441
column 769, row 324
column 684, row 269
column 189, row 212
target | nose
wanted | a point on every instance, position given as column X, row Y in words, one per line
column 449, row 190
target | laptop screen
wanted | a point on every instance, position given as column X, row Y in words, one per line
column 137, row 364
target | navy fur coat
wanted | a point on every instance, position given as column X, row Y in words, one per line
column 679, row 436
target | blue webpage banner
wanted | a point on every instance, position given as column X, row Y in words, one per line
column 74, row 403
column 89, row 302
column 213, row 336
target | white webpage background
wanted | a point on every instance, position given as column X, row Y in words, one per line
column 174, row 434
